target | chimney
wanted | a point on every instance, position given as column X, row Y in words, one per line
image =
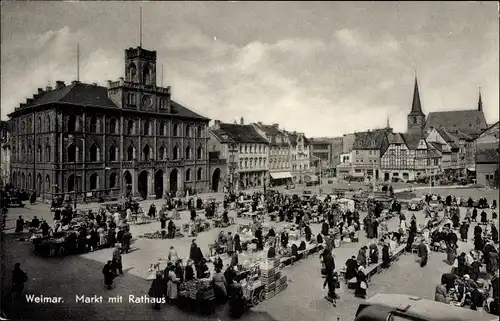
column 29, row 101
column 22, row 105
column 48, row 88
column 109, row 83
column 259, row 123
column 94, row 84
column 216, row 124
column 40, row 91
column 242, row 121
column 276, row 126
column 74, row 82
column 59, row 84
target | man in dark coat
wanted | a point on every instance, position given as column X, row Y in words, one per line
column 157, row 290
column 325, row 228
column 117, row 261
column 19, row 224
column 329, row 269
column 386, row 257
column 109, row 274
column 423, row 253
column 351, row 268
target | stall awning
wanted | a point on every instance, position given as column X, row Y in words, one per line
column 471, row 169
column 281, row 175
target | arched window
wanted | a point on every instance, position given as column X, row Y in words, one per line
column 130, row 153
column 39, row 154
column 175, row 153
column 47, row 124
column 93, row 125
column 188, row 152
column 188, row 175
column 414, row 119
column 162, row 153
column 146, row 75
column 162, row 129
column 199, row 132
column 130, row 127
column 147, row 128
column 94, row 181
column 72, row 123
column 199, row 174
column 113, row 126
column 23, row 128
column 188, row 131
column 94, row 153
column 29, row 128
column 47, row 184
column 175, row 130
column 113, row 153
column 71, row 183
column 72, row 153
column 131, row 72
column 39, row 125
column 48, row 153
column 112, row 180
column 199, row 152
column 146, row 153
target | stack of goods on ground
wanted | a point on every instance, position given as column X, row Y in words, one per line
column 197, row 295
column 271, row 277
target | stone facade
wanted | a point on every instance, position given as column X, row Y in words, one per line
column 90, row 141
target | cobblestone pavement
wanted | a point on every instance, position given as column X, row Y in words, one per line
column 302, row 300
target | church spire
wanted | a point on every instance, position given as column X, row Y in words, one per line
column 416, row 106
column 480, row 102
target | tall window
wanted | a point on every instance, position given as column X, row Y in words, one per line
column 47, row 123
column 71, row 183
column 162, row 129
column 72, row 153
column 39, row 154
column 94, row 153
column 175, row 130
column 72, row 123
column 130, row 127
column 188, row 152
column 146, row 153
column 162, row 153
column 48, row 157
column 188, row 131
column 39, row 125
column 188, row 175
column 130, row 153
column 93, row 125
column 175, row 153
column 113, row 126
column 112, row 180
column 199, row 132
column 199, row 152
column 199, row 174
column 147, row 128
column 94, row 181
column 113, row 153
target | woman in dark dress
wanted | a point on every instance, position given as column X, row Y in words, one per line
column 361, row 285
column 236, row 300
column 386, row 257
column 484, row 218
column 189, row 271
column 157, row 290
column 109, row 274
column 237, row 243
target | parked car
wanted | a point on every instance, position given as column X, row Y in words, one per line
column 416, row 204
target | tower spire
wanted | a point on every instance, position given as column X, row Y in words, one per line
column 162, row 75
column 388, row 124
column 140, row 27
column 78, row 62
column 416, row 106
column 480, row 102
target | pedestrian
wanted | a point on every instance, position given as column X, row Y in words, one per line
column 361, row 284
column 109, row 274
column 157, row 291
column 19, row 277
column 423, row 253
column 19, row 224
column 117, row 260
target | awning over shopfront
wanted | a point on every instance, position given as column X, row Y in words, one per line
column 281, row 175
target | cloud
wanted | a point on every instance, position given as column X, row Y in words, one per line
column 356, row 43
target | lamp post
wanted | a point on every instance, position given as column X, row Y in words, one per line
column 105, row 180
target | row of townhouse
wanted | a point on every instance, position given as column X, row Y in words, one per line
column 255, row 155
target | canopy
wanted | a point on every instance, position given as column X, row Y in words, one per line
column 281, row 175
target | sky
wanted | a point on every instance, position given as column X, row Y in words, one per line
column 322, row 68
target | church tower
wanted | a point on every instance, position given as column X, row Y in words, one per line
column 416, row 117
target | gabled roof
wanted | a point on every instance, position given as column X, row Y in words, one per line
column 222, row 136
column 490, row 127
column 272, row 132
column 372, row 140
column 242, row 133
column 470, row 122
column 487, row 156
column 412, row 140
column 395, row 138
column 81, row 94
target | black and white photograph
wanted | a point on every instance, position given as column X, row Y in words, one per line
column 247, row 160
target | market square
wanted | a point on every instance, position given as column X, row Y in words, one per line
column 253, row 161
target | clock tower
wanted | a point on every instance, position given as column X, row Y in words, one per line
column 138, row 90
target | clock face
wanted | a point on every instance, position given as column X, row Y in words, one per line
column 147, row 101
